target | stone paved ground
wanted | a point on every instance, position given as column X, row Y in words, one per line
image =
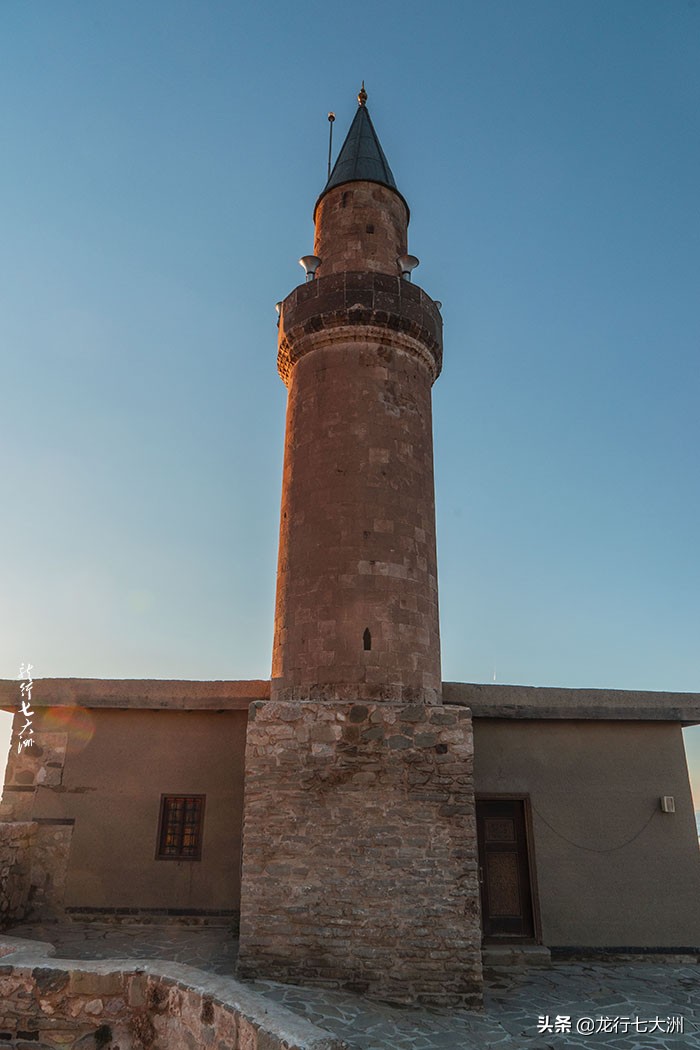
column 638, row 992
column 513, row 1004
column 211, row 948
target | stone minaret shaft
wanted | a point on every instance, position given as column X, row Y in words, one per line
column 359, row 349
column 359, row 846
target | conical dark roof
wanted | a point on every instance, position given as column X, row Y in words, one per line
column 361, row 157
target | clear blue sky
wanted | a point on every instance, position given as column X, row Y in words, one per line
column 160, row 165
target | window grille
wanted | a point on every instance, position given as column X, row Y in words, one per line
column 181, row 825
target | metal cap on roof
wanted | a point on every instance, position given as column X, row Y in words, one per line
column 361, row 157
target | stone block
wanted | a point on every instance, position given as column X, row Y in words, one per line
column 359, row 858
column 96, row 984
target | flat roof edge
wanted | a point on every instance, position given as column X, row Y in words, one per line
column 546, row 702
column 485, row 700
column 136, row 693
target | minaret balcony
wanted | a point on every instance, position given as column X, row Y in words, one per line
column 392, row 310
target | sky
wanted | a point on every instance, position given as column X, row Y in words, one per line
column 161, row 161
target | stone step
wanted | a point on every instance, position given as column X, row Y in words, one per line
column 515, row 955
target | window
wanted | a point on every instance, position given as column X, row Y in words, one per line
column 180, row 829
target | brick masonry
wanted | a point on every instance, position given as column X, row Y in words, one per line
column 360, row 866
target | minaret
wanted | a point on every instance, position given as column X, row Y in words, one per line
column 359, row 836
column 359, row 349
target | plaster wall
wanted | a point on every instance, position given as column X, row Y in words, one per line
column 612, row 869
column 117, row 765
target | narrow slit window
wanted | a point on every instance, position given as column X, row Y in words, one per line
column 180, row 828
column 367, row 640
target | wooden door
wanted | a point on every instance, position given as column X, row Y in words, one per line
column 504, row 870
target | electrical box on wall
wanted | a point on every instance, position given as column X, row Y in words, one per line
column 668, row 804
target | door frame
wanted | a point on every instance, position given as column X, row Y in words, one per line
column 509, row 796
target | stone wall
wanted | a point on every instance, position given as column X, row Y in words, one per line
column 33, row 867
column 32, row 768
column 40, row 765
column 360, row 226
column 359, row 855
column 29, row 771
column 98, row 1007
column 15, row 852
column 357, row 601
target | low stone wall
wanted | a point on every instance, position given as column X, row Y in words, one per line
column 15, row 866
column 359, row 850
column 101, row 1006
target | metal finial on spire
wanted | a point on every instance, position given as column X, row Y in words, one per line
column 361, row 158
column 331, row 118
column 362, row 97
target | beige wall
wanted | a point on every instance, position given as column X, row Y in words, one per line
column 118, row 763
column 597, row 784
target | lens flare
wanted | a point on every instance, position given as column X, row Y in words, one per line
column 77, row 721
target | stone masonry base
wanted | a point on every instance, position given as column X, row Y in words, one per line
column 112, row 1005
column 359, row 850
